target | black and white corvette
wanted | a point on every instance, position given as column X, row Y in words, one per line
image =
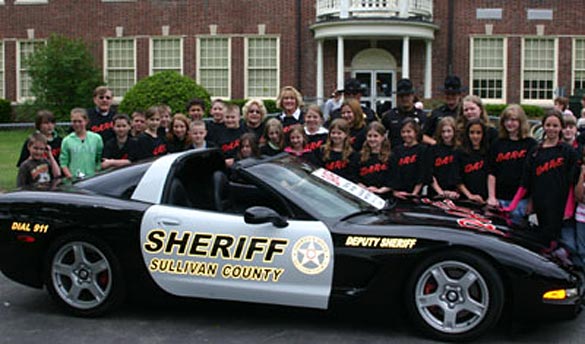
column 275, row 231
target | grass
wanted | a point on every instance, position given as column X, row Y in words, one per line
column 10, row 144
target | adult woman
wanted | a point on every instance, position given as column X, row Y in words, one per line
column 290, row 102
column 351, row 111
column 254, row 113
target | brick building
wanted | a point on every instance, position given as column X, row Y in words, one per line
column 524, row 51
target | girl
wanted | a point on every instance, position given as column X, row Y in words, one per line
column 549, row 175
column 473, row 108
column 472, row 161
column 44, row 124
column 116, row 149
column 442, row 160
column 351, row 111
column 229, row 137
column 290, row 102
column 337, row 155
column 248, row 147
column 297, row 141
column 316, row 133
column 374, row 171
column 254, row 112
column 218, row 109
column 274, row 134
column 149, row 143
column 506, row 159
column 81, row 151
column 178, row 138
column 408, row 170
column 165, row 119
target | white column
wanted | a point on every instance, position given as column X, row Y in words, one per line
column 403, row 6
column 428, row 69
column 340, row 65
column 406, row 57
column 320, row 72
column 344, row 9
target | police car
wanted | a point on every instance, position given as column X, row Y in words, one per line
column 276, row 231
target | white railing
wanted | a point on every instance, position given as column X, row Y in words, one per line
column 344, row 9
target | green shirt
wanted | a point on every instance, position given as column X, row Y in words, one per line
column 82, row 157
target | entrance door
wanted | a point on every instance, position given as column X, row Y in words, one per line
column 378, row 88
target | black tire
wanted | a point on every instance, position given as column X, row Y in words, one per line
column 83, row 275
column 454, row 296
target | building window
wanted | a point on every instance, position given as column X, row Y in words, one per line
column 25, row 49
column 29, row 2
column 2, row 95
column 214, row 56
column 539, row 69
column 166, row 53
column 488, row 72
column 262, row 67
column 120, row 66
column 579, row 66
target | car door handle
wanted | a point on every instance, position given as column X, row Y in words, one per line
column 169, row 222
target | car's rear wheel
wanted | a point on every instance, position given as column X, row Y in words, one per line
column 83, row 275
column 455, row 296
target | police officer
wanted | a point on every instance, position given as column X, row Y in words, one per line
column 392, row 119
column 353, row 89
column 453, row 92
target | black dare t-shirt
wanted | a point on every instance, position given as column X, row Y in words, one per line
column 506, row 163
column 408, row 166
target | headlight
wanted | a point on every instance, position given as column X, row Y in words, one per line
column 560, row 294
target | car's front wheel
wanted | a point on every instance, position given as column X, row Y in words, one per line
column 455, row 296
column 83, row 275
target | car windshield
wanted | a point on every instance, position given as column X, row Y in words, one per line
column 318, row 191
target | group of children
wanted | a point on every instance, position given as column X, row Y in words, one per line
column 471, row 160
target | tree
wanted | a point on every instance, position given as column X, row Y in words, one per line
column 63, row 74
column 168, row 87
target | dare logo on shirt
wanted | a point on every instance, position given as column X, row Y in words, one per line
column 444, row 160
column 373, row 169
column 102, row 127
column 550, row 165
column 513, row 155
column 473, row 167
column 407, row 160
column 230, row 146
column 336, row 165
column 160, row 149
column 314, row 145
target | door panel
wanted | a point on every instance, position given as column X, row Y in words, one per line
column 213, row 255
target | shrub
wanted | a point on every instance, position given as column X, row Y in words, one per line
column 532, row 111
column 5, row 111
column 168, row 87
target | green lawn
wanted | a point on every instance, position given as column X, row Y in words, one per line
column 10, row 144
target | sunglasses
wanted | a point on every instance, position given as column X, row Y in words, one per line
column 104, row 97
column 254, row 111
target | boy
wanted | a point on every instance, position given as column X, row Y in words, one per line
column 41, row 166
column 138, row 123
column 196, row 109
column 198, row 134
column 116, row 149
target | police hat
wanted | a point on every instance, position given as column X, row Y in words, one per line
column 404, row 86
column 453, row 85
column 352, row 86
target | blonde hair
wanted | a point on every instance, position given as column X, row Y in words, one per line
column 514, row 111
column 294, row 91
column 385, row 148
column 257, row 102
column 343, row 125
column 274, row 123
column 446, row 121
column 462, row 120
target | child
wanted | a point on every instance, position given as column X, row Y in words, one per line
column 352, row 112
column 297, row 141
column 44, row 124
column 408, row 162
column 81, row 150
column 569, row 135
column 149, row 144
column 472, row 161
column 229, row 137
column 116, row 149
column 274, row 134
column 165, row 119
column 198, row 133
column 581, row 123
column 248, row 147
column 473, row 108
column 506, row 159
column 577, row 238
column 337, row 155
column 178, row 138
column 549, row 175
column 218, row 108
column 40, row 166
column 374, row 170
column 196, row 109
column 138, row 123
column 316, row 133
column 442, row 160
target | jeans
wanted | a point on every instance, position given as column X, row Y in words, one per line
column 518, row 214
column 573, row 235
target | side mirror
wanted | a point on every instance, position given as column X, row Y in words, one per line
column 259, row 215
